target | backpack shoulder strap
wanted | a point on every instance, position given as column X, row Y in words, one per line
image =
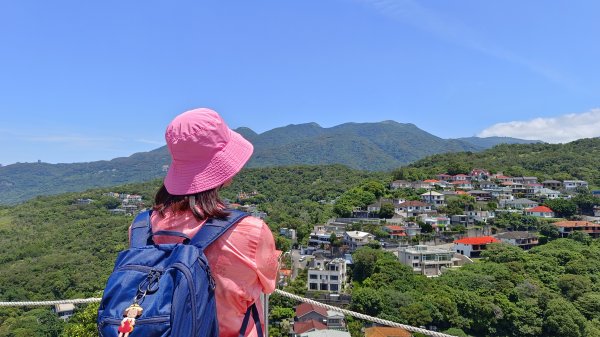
column 213, row 228
column 140, row 230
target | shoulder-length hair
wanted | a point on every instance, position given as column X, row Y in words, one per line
column 204, row 205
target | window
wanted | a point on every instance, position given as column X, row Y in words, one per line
column 333, row 277
column 333, row 287
column 313, row 276
column 324, row 286
column 313, row 286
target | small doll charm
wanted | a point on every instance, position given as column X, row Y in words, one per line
column 131, row 313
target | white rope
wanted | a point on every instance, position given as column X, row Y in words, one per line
column 363, row 316
column 41, row 303
column 280, row 292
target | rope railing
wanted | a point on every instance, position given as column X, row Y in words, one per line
column 277, row 291
column 43, row 303
column 362, row 316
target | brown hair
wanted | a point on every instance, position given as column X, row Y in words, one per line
column 205, row 204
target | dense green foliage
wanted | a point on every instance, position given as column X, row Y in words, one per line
column 576, row 160
column 52, row 248
column 552, row 290
column 299, row 197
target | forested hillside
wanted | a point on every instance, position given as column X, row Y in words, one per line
column 551, row 290
column 368, row 146
column 576, row 160
column 53, row 248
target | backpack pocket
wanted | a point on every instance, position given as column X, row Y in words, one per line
column 151, row 326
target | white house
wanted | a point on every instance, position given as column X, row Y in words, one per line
column 426, row 260
column 327, row 275
column 64, row 311
column 540, row 211
column 522, row 239
column 473, row 246
column 519, row 203
column 574, row 184
column 356, row 239
column 546, row 193
column 434, row 198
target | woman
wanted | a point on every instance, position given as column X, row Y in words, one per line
column 206, row 155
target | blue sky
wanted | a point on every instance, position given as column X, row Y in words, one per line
column 83, row 81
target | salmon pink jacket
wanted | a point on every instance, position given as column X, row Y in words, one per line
column 243, row 262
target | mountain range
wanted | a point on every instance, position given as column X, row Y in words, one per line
column 379, row 146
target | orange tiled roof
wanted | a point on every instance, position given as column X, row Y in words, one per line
column 384, row 331
column 575, row 224
column 395, row 228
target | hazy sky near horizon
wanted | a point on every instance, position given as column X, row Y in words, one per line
column 83, row 81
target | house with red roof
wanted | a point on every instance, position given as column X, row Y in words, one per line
column 396, row 232
column 311, row 318
column 539, row 211
column 479, row 174
column 462, row 184
column 473, row 246
column 301, row 327
column 460, row 177
column 414, row 207
column 307, row 312
column 444, row 177
column 502, row 178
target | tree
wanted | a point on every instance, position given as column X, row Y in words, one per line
column 563, row 319
column 589, row 305
column 456, row 332
column 562, row 207
column 374, row 187
column 83, row 323
column 364, row 262
column 581, row 236
column 386, row 211
column 366, row 301
column 585, row 202
column 456, row 167
column 503, row 253
column 277, row 314
column 549, row 230
column 573, row 286
column 425, row 227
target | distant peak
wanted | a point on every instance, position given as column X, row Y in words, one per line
column 311, row 124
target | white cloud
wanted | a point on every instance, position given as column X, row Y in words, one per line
column 561, row 129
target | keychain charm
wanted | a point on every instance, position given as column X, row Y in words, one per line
column 131, row 313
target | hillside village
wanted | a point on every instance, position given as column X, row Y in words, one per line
column 429, row 235
column 431, row 226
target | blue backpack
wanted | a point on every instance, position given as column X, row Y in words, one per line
column 172, row 283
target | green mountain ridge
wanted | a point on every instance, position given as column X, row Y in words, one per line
column 366, row 146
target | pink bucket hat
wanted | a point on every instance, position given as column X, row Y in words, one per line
column 205, row 152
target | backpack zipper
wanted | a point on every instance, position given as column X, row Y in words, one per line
column 188, row 275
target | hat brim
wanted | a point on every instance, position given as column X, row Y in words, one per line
column 192, row 178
